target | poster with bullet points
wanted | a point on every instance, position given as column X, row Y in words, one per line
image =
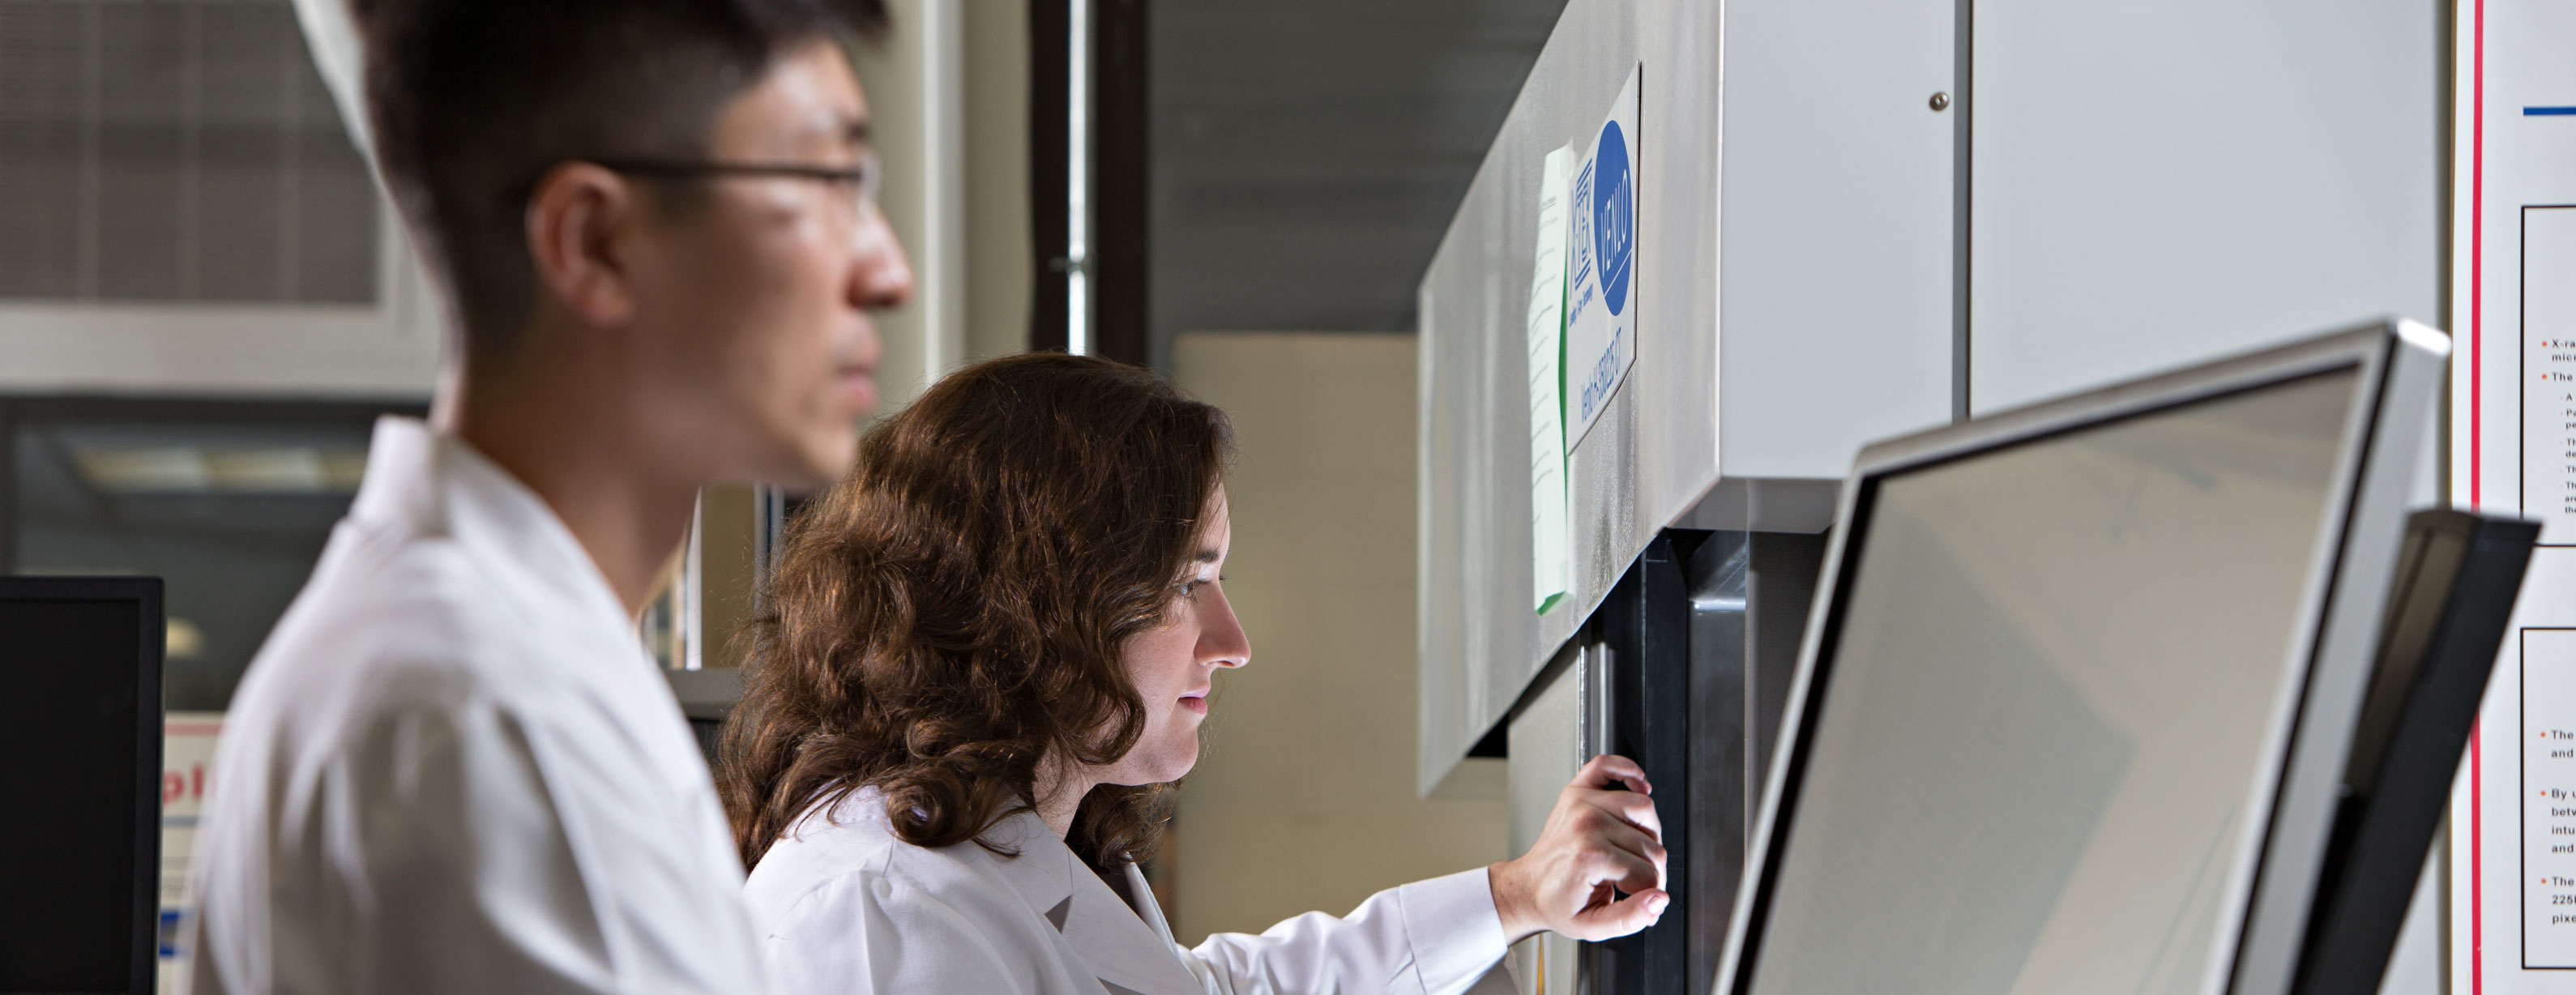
column 2548, row 798
column 2513, row 452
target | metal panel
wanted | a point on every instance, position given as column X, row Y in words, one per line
column 1847, row 183
column 1646, row 635
column 1654, row 452
column 1722, row 762
column 2161, row 183
column 1835, row 263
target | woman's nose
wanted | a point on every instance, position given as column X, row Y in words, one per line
column 1222, row 642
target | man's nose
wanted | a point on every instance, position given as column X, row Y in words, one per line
column 880, row 272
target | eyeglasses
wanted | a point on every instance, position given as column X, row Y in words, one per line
column 864, row 179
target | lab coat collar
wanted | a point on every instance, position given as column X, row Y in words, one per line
column 1129, row 948
column 422, row 483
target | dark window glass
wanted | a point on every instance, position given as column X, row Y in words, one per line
column 228, row 504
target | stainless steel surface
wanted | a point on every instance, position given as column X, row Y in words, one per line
column 2401, row 364
column 1834, row 179
column 1722, row 767
column 1765, row 504
column 1600, row 703
column 2161, row 183
column 1480, row 644
column 1779, row 588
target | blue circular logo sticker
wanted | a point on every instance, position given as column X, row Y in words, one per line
column 1614, row 217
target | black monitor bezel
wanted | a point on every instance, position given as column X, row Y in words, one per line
column 145, row 593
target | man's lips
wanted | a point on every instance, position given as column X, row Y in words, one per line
column 859, row 384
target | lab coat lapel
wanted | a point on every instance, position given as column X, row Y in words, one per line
column 1144, row 905
column 421, row 484
column 1124, row 949
column 1121, row 945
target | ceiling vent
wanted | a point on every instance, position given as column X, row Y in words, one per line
column 183, row 213
column 173, row 152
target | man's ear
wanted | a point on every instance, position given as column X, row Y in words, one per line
column 577, row 219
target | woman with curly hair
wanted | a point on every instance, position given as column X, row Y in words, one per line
column 982, row 661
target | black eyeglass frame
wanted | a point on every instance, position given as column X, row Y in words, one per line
column 868, row 175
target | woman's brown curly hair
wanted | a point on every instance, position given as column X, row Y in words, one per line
column 954, row 610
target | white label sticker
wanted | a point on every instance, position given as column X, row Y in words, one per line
column 1601, row 301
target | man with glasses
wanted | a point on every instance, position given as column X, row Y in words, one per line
column 452, row 768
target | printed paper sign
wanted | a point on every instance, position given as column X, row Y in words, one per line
column 1551, row 532
column 187, row 752
column 1601, row 298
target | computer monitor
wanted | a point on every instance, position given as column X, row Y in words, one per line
column 80, row 782
column 2452, row 603
column 2076, row 696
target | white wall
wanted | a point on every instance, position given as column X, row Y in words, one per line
column 1304, row 799
column 2157, row 184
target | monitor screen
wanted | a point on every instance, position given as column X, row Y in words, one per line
column 79, row 823
column 2058, row 669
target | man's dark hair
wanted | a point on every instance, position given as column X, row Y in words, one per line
column 471, row 101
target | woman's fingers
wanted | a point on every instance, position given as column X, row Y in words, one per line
column 1620, row 918
column 1628, row 806
column 1622, row 866
column 1610, row 770
column 1624, row 857
column 1602, row 839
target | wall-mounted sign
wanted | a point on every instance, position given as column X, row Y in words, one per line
column 1601, row 295
column 2513, row 451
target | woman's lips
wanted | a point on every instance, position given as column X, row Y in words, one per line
column 1195, row 704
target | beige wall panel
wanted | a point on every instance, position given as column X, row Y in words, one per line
column 1305, row 797
column 1001, row 263
column 728, row 515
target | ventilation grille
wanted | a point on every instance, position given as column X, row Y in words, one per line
column 175, row 151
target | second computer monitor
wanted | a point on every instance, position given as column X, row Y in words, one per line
column 2044, row 736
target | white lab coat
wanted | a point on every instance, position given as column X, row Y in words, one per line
column 453, row 769
column 845, row 908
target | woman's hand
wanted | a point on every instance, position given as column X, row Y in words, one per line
column 1598, row 839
